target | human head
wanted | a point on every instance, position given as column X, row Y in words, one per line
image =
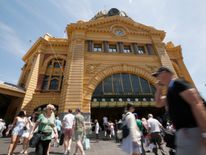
column 130, row 107
column 50, row 108
column 70, row 110
column 150, row 116
column 164, row 75
column 22, row 113
column 78, row 110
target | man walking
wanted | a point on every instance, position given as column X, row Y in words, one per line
column 154, row 127
column 68, row 122
column 186, row 110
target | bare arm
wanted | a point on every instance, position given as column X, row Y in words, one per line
column 159, row 98
column 192, row 97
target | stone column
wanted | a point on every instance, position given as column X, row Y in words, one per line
column 72, row 95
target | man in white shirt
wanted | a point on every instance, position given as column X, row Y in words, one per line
column 68, row 122
column 154, row 127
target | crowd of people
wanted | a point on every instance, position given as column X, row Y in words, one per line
column 185, row 107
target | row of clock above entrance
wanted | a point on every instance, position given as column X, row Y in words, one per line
column 119, row 47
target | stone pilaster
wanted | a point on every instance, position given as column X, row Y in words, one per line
column 72, row 96
column 32, row 84
column 162, row 54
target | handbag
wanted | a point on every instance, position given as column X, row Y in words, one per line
column 35, row 139
column 86, row 143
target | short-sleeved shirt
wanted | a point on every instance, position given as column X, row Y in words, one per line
column 79, row 121
column 154, row 125
column 179, row 110
column 68, row 121
column 139, row 124
column 45, row 126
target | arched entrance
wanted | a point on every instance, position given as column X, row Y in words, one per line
column 115, row 91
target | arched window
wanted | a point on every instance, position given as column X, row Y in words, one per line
column 124, row 87
column 53, row 77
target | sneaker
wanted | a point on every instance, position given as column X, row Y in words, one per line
column 65, row 153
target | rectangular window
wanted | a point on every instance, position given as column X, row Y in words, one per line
column 112, row 48
column 97, row 48
column 127, row 49
column 141, row 50
column 45, row 83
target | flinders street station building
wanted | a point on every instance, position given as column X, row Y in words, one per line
column 100, row 66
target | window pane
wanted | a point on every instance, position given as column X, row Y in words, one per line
column 54, row 84
column 136, row 84
column 141, row 50
column 117, row 84
column 145, row 86
column 97, row 47
column 108, row 86
column 112, row 48
column 45, row 83
column 126, row 84
column 127, row 49
column 57, row 65
column 98, row 91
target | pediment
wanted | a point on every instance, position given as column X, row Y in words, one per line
column 110, row 24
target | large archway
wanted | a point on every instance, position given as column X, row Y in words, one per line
column 114, row 92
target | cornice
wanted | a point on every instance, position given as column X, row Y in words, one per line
column 54, row 42
column 92, row 26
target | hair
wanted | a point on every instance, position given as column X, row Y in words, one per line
column 130, row 105
column 150, row 116
column 78, row 110
column 70, row 110
column 21, row 113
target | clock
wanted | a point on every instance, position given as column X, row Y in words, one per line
column 119, row 32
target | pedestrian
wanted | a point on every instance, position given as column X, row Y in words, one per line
column 97, row 130
column 186, row 111
column 154, row 127
column 26, row 136
column 17, row 127
column 46, row 125
column 79, row 131
column 140, row 126
column 105, row 125
column 132, row 143
column 68, row 122
column 2, row 127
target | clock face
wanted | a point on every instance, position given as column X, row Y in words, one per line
column 119, row 32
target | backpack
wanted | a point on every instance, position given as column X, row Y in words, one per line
column 123, row 132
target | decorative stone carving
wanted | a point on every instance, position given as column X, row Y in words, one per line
column 91, row 68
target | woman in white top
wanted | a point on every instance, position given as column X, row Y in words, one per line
column 132, row 143
column 17, row 127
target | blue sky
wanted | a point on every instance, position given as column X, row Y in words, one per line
column 22, row 22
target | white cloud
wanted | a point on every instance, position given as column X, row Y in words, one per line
column 10, row 42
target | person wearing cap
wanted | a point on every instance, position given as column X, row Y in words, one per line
column 46, row 125
column 186, row 111
column 132, row 143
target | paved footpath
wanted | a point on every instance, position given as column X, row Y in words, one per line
column 103, row 147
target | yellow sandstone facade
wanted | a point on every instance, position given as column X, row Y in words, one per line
column 66, row 71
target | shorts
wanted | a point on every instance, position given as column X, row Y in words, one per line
column 78, row 135
column 17, row 132
column 68, row 132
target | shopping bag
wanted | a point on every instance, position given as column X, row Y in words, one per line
column 86, row 143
